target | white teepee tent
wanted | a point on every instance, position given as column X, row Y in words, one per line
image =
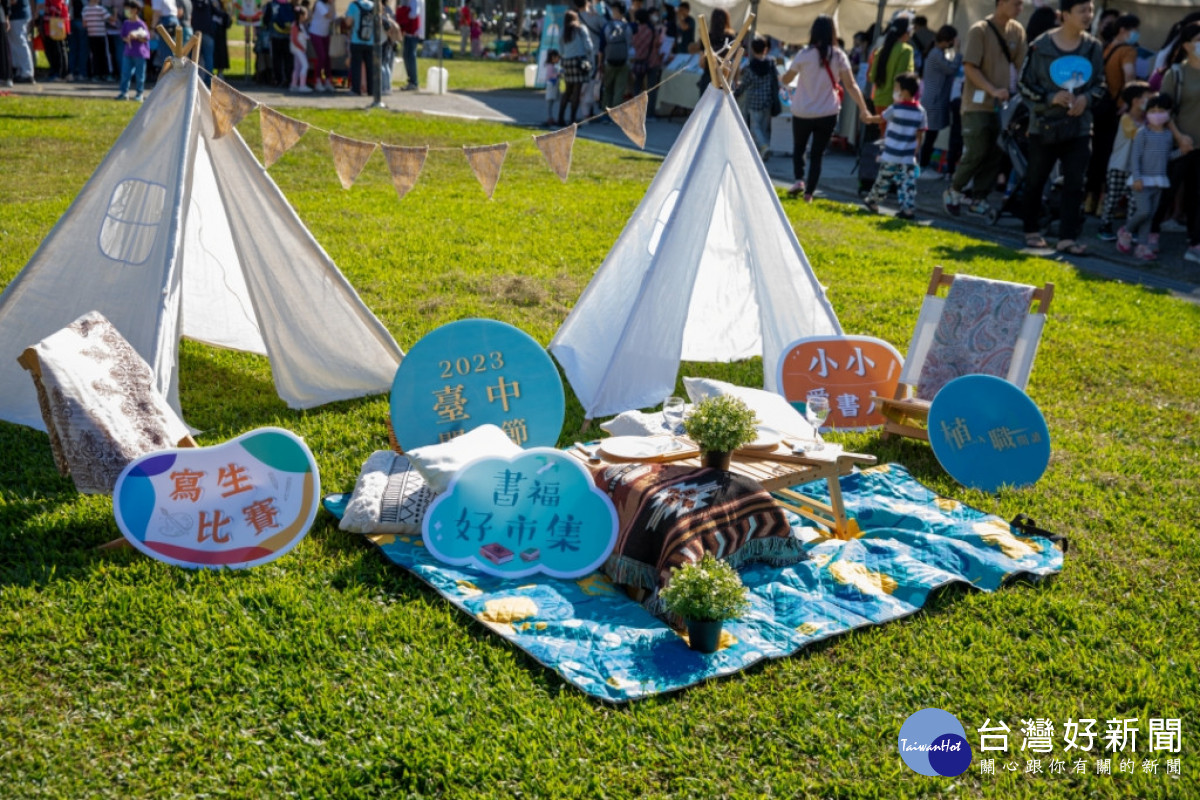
column 708, row 269
column 178, row 234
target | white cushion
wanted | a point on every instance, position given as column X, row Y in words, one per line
column 389, row 497
column 438, row 463
column 772, row 410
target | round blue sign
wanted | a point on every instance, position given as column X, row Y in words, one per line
column 1070, row 72
column 987, row 433
column 475, row 372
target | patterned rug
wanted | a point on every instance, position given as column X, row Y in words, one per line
column 605, row 644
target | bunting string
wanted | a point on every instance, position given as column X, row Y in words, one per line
column 281, row 132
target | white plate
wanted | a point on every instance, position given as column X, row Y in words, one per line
column 768, row 439
column 633, row 448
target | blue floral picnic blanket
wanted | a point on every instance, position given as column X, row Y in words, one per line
column 605, row 644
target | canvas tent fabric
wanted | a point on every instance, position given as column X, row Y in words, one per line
column 707, row 269
column 178, row 234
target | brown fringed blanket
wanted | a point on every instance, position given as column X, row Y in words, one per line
column 672, row 515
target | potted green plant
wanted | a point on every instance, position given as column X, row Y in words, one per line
column 705, row 594
column 719, row 425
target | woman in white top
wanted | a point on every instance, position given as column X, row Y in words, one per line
column 821, row 72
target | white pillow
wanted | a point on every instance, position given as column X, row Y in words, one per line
column 438, row 463
column 772, row 410
column 389, row 497
column 637, row 423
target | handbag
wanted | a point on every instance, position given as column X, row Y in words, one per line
column 838, row 89
column 56, row 28
column 1060, row 129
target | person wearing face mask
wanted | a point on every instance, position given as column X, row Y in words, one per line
column 1182, row 84
column 1148, row 177
column 1061, row 121
column 1120, row 57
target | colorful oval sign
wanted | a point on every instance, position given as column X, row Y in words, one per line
column 987, row 433
column 849, row 370
column 238, row 504
column 473, row 372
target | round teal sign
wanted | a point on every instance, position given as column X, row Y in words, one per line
column 987, row 433
column 475, row 372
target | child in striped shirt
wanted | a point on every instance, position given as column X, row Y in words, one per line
column 906, row 124
column 1148, row 176
column 95, row 18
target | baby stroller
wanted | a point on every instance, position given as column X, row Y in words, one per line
column 1014, row 142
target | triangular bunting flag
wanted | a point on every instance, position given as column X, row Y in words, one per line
column 279, row 133
column 487, row 161
column 631, row 116
column 349, row 157
column 405, row 164
column 557, row 147
column 229, row 107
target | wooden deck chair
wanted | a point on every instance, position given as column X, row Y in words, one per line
column 907, row 413
column 99, row 402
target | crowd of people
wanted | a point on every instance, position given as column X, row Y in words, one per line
column 1062, row 122
column 106, row 40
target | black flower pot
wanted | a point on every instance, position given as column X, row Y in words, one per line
column 704, row 635
column 717, row 459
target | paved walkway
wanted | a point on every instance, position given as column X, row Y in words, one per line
column 838, row 180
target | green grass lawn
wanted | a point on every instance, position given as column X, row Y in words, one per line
column 329, row 673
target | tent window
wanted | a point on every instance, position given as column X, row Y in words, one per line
column 131, row 222
column 660, row 223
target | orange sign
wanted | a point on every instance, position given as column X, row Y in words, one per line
column 846, row 369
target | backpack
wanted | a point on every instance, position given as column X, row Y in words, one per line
column 366, row 24
column 616, row 50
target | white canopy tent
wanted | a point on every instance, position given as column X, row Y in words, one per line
column 789, row 20
column 180, row 234
column 708, row 269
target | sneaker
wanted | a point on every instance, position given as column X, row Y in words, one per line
column 1124, row 241
column 1144, row 253
column 138, row 97
column 304, row 89
column 808, row 198
column 929, row 175
column 1192, row 254
column 871, row 205
column 796, row 189
column 1106, row 233
column 1152, row 242
column 1171, row 226
column 980, row 208
column 122, row 96
column 907, row 215
column 952, row 200
column 411, row 87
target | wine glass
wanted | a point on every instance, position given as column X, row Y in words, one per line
column 673, row 416
column 816, row 410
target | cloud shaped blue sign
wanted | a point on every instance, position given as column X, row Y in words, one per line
column 535, row 512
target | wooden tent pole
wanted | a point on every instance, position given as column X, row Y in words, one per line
column 710, row 58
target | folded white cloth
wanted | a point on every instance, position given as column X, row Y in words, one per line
column 438, row 463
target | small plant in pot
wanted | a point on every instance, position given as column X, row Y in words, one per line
column 705, row 594
column 719, row 425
